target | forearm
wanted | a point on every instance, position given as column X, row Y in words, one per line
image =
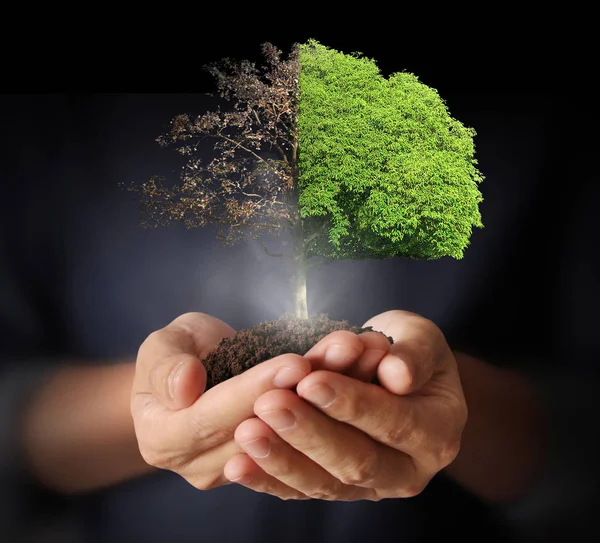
column 78, row 434
column 503, row 441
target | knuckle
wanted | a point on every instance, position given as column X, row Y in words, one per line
column 282, row 467
column 335, row 489
column 361, row 472
column 322, row 493
column 161, row 457
column 207, row 481
column 352, row 408
column 186, row 326
column 448, row 452
column 156, row 458
column 431, row 327
column 151, row 452
column 440, row 454
column 411, row 490
column 203, row 432
column 286, row 360
column 444, row 448
column 399, row 314
column 287, row 496
column 375, row 497
column 406, row 428
column 436, row 339
column 147, row 344
column 455, row 413
column 378, row 494
column 291, row 360
column 185, row 319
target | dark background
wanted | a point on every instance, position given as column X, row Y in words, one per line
column 81, row 109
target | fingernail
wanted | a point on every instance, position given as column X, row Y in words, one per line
column 173, row 380
column 259, row 448
column 288, row 377
column 279, row 419
column 339, row 354
column 321, row 395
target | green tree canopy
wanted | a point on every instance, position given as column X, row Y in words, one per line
column 383, row 169
column 321, row 145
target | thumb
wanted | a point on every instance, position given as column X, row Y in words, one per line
column 404, row 371
column 178, row 381
column 169, row 365
column 414, row 356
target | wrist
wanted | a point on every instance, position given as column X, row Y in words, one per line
column 77, row 432
column 502, row 443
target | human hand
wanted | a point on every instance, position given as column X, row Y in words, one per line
column 181, row 428
column 338, row 438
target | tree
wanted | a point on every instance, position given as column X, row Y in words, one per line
column 321, row 145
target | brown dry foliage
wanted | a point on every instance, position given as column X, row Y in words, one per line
column 249, row 188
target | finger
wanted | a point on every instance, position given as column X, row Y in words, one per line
column 427, row 429
column 419, row 347
column 289, row 466
column 241, row 469
column 349, row 455
column 213, row 418
column 337, row 351
column 169, row 363
column 205, row 471
column 349, row 353
column 376, row 347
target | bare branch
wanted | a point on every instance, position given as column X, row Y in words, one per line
column 264, row 246
column 241, row 146
column 241, row 190
column 311, row 237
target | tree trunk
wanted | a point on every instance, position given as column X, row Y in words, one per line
column 299, row 284
column 299, row 253
column 300, row 301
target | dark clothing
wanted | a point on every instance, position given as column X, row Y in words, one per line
column 80, row 279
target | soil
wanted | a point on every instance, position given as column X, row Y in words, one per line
column 287, row 334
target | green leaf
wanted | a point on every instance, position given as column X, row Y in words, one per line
column 383, row 167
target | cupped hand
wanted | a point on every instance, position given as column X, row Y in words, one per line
column 341, row 438
column 181, row 428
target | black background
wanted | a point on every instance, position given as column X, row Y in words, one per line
column 497, row 62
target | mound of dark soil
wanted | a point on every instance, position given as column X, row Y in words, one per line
column 287, row 334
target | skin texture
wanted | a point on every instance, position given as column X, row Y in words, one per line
column 94, row 426
column 336, row 437
column 381, row 441
column 194, row 435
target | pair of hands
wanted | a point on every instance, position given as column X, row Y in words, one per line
column 336, row 437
